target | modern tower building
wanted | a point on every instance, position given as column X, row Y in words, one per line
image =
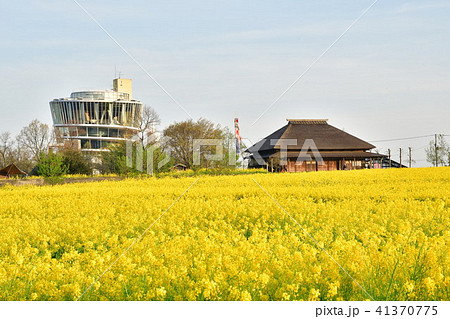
column 93, row 119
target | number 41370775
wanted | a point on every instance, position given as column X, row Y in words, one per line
column 407, row 310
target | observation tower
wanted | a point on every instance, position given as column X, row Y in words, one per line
column 91, row 120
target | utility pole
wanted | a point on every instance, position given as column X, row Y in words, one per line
column 400, row 157
column 435, row 151
column 410, row 159
column 389, row 154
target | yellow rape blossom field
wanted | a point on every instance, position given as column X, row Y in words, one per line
column 226, row 239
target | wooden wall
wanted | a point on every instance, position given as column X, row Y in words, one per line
column 328, row 165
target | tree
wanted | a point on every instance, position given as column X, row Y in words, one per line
column 180, row 140
column 23, row 159
column 147, row 125
column 115, row 160
column 76, row 162
column 6, row 149
column 438, row 151
column 35, row 138
column 159, row 157
column 11, row 153
column 51, row 165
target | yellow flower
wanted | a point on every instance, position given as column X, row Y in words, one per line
column 264, row 278
column 409, row 286
column 430, row 285
column 161, row 292
column 333, row 289
column 245, row 296
column 314, row 294
column 225, row 239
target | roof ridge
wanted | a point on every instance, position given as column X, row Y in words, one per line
column 307, row 121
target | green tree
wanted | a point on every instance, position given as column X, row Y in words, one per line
column 76, row 162
column 52, row 167
column 114, row 161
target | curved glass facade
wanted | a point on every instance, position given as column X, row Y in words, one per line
column 96, row 118
column 100, row 95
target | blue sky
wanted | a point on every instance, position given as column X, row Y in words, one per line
column 388, row 77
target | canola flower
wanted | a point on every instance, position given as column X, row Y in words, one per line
column 225, row 239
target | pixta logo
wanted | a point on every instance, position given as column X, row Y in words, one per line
column 211, row 150
column 308, row 151
column 221, row 146
column 148, row 151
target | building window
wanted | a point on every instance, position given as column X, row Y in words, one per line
column 102, row 132
column 113, row 132
column 82, row 131
column 95, row 144
column 92, row 131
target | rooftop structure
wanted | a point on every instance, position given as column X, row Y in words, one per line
column 93, row 119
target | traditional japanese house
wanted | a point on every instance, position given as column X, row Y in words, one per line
column 339, row 150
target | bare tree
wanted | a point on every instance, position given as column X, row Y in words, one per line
column 147, row 125
column 6, row 148
column 438, row 151
column 23, row 158
column 35, row 139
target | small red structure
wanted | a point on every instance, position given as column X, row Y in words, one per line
column 11, row 171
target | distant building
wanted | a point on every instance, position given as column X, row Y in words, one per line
column 91, row 120
column 11, row 171
column 338, row 149
column 390, row 163
column 179, row 167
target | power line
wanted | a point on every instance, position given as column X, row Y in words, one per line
column 408, row 138
column 402, row 138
